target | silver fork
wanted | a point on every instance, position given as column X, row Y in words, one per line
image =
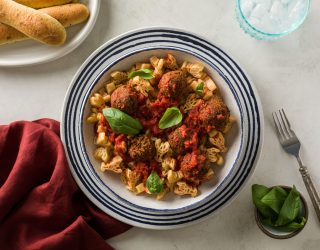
column 291, row 145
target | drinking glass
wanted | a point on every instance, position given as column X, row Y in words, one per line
column 271, row 19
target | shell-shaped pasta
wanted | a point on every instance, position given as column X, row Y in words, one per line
column 110, row 87
column 194, row 69
column 158, row 69
column 212, row 154
column 174, row 176
column 161, row 149
column 103, row 154
column 143, row 66
column 92, row 118
column 218, row 141
column 131, row 179
column 106, row 97
column 102, row 139
column 168, row 162
column 154, row 61
column 209, row 83
column 182, row 188
column 141, row 85
column 96, row 100
column 162, row 193
column 220, row 160
column 192, row 100
column 114, row 165
column 170, row 62
column 140, row 188
column 119, row 77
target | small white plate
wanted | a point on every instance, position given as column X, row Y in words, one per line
column 30, row 52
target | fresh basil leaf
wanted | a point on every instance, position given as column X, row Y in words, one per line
column 275, row 198
column 143, row 73
column 154, row 183
column 170, row 118
column 200, row 88
column 121, row 122
column 290, row 208
column 258, row 192
column 296, row 224
column 268, row 222
column 292, row 226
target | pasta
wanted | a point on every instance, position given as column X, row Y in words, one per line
column 175, row 159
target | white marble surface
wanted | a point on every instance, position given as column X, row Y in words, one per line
column 286, row 74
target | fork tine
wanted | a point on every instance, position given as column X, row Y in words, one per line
column 285, row 122
column 276, row 125
column 280, row 126
column 285, row 117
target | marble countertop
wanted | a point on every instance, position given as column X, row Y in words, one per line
column 285, row 72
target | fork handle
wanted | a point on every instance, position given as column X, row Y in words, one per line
column 313, row 193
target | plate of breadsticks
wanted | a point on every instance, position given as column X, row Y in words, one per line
column 38, row 31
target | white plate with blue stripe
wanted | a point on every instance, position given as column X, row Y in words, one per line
column 105, row 189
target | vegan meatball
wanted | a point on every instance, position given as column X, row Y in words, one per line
column 124, row 99
column 182, row 139
column 213, row 113
column 141, row 148
column 173, row 85
column 193, row 167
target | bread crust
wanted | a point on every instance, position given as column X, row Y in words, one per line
column 34, row 24
column 68, row 15
column 37, row 4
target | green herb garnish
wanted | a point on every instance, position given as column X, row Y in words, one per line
column 278, row 208
column 290, row 208
column 154, row 183
column 275, row 198
column 200, row 88
column 170, row 118
column 121, row 122
column 144, row 73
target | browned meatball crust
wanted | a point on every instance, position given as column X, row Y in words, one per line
column 173, row 84
column 193, row 167
column 141, row 148
column 182, row 139
column 213, row 113
column 124, row 99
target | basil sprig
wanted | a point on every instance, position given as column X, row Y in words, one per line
column 200, row 88
column 170, row 118
column 143, row 73
column 278, row 208
column 154, row 183
column 122, row 123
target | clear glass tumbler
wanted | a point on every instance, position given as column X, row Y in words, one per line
column 271, row 19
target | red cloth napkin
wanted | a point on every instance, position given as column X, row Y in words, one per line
column 41, row 207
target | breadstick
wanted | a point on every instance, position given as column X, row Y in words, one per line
column 67, row 15
column 32, row 23
column 37, row 4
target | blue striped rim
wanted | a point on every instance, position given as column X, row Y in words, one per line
column 176, row 35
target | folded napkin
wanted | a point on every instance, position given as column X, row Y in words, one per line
column 41, row 207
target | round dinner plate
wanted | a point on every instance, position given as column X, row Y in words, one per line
column 30, row 52
column 105, row 189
